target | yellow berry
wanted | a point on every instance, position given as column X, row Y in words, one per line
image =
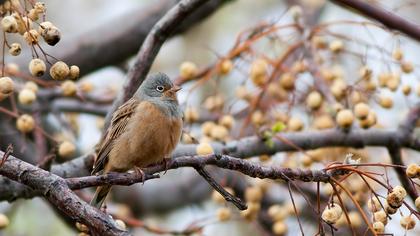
column 74, row 72
column 400, row 190
column 33, row 15
column 206, row 127
column 412, row 170
column 66, row 149
column 6, row 85
column 9, row 24
column 365, row 73
column 4, row 221
column 252, row 211
column 397, row 54
column 226, row 67
column 50, row 33
column 369, row 121
column 274, row 90
column 295, row 124
column 361, row 110
column 227, row 121
column 191, row 115
column 37, row 67
column 386, row 102
column 407, row 222
column 25, row 123
column 338, row 89
column 319, row 42
column 345, row 118
column 188, row 70
column 242, row 92
column 406, row 89
column 332, row 213
column 257, row 118
column 323, row 122
column 314, row 100
column 378, row 227
column 213, row 103
column 219, row 132
column 407, row 67
column 417, row 203
column 381, row 216
column 15, row 49
column 389, row 209
column 204, row 149
column 69, row 88
column 374, row 205
column 393, row 82
column 287, row 81
column 356, row 97
column 336, row 46
column 40, row 7
column 223, row 214
column 259, row 68
column 277, row 212
column 26, row 96
column 31, row 37
column 299, row 66
column 253, row 194
column 86, row 86
column 383, row 78
column 59, row 70
column 279, row 228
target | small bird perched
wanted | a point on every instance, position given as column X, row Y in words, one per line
column 143, row 131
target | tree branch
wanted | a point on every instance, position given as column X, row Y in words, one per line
column 387, row 18
column 56, row 191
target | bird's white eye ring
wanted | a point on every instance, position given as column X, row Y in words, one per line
column 159, row 88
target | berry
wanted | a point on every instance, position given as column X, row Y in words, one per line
column 37, row 67
column 25, row 123
column 59, row 70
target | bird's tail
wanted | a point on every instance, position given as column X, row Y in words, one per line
column 100, row 195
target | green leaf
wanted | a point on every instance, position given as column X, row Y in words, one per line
column 278, row 127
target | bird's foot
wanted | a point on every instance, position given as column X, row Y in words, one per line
column 139, row 172
column 166, row 162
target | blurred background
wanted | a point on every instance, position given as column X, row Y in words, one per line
column 163, row 203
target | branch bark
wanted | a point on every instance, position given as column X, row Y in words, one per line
column 56, row 191
column 387, row 18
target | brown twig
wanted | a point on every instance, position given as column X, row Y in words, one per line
column 226, row 195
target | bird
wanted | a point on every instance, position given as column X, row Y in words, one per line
column 143, row 131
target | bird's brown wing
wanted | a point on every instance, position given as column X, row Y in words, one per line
column 118, row 123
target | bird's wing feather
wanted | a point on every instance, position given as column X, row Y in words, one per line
column 118, row 123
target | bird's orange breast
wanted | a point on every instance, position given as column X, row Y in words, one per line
column 149, row 137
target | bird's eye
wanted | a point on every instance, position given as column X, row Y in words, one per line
column 159, row 88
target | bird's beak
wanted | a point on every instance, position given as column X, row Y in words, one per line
column 171, row 93
column 175, row 88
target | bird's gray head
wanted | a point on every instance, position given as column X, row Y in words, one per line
column 159, row 89
column 159, row 86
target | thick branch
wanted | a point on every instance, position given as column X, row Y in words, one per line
column 395, row 154
column 56, row 191
column 144, row 59
column 387, row 18
column 254, row 146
